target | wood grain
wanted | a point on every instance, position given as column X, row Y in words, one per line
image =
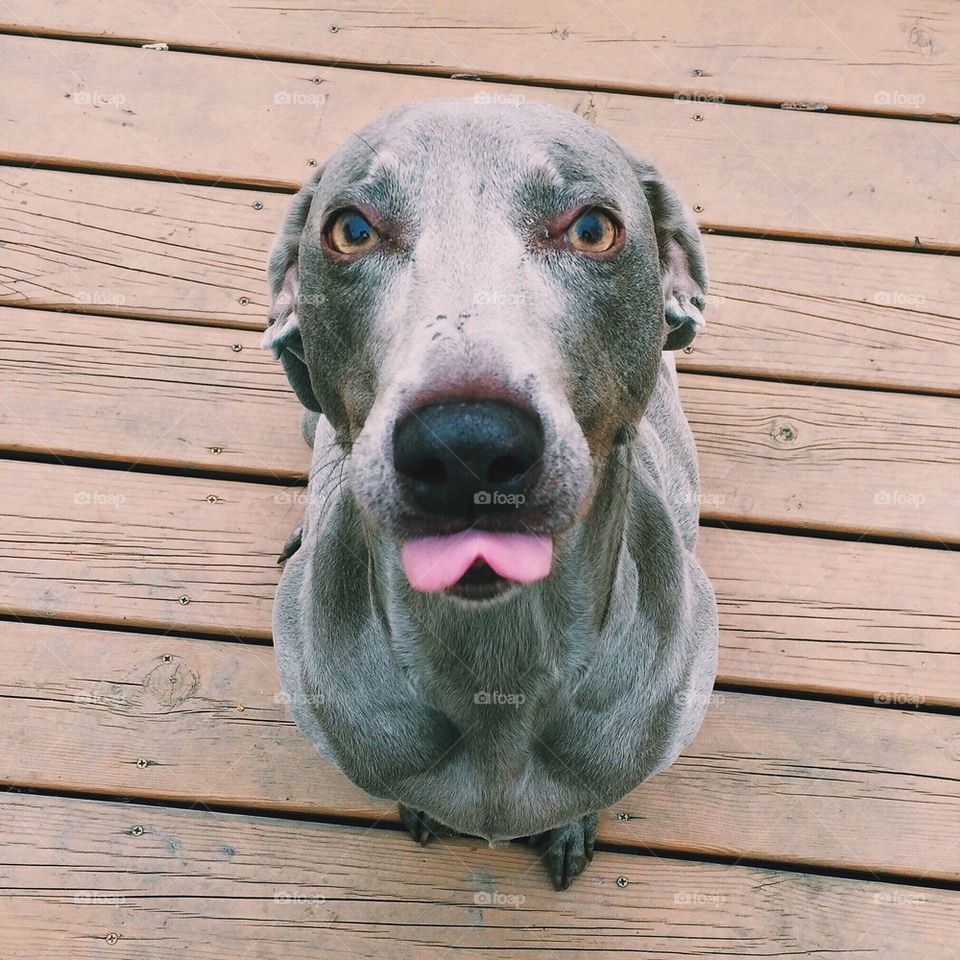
column 128, row 880
column 116, row 547
column 890, row 58
column 855, row 461
column 111, row 245
column 821, row 616
column 141, row 392
column 793, row 174
column 205, row 721
column 185, row 396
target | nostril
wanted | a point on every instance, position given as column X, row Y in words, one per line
column 430, row 471
column 505, row 468
column 458, row 458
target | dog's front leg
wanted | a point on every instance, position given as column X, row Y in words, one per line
column 566, row 850
column 421, row 826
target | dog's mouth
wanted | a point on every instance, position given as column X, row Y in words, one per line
column 480, row 582
column 476, row 564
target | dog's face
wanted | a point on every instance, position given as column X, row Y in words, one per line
column 475, row 297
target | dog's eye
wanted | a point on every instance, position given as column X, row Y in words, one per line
column 351, row 233
column 592, row 232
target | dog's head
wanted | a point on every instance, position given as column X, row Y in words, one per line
column 476, row 296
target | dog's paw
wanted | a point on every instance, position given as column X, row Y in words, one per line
column 567, row 850
column 292, row 545
column 422, row 827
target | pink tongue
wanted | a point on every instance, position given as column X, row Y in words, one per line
column 434, row 563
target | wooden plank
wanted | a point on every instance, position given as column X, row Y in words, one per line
column 112, row 245
column 138, row 549
column 115, row 547
column 830, row 314
column 783, row 172
column 855, row 461
column 767, row 777
column 213, row 885
column 821, row 616
column 186, row 252
column 164, row 394
column 858, row 56
column 771, row 453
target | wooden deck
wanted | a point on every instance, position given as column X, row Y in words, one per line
column 161, row 803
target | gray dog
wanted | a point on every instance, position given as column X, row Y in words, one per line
column 493, row 613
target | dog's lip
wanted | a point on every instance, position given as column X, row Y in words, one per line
column 415, row 527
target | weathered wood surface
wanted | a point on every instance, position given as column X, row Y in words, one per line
column 142, row 392
column 891, row 58
column 112, row 245
column 200, row 720
column 794, row 174
column 181, row 553
column 128, row 880
column 185, row 396
column 801, row 782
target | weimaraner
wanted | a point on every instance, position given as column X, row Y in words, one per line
column 492, row 613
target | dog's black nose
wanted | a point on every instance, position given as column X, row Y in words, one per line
column 460, row 459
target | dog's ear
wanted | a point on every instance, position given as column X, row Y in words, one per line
column 683, row 266
column 282, row 336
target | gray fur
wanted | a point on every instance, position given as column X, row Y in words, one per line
column 608, row 663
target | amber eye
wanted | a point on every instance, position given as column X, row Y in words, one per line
column 592, row 232
column 351, row 233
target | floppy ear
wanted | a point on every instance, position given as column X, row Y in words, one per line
column 683, row 266
column 282, row 336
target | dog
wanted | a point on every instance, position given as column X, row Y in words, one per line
column 492, row 613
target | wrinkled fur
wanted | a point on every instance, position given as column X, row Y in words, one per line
column 608, row 663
